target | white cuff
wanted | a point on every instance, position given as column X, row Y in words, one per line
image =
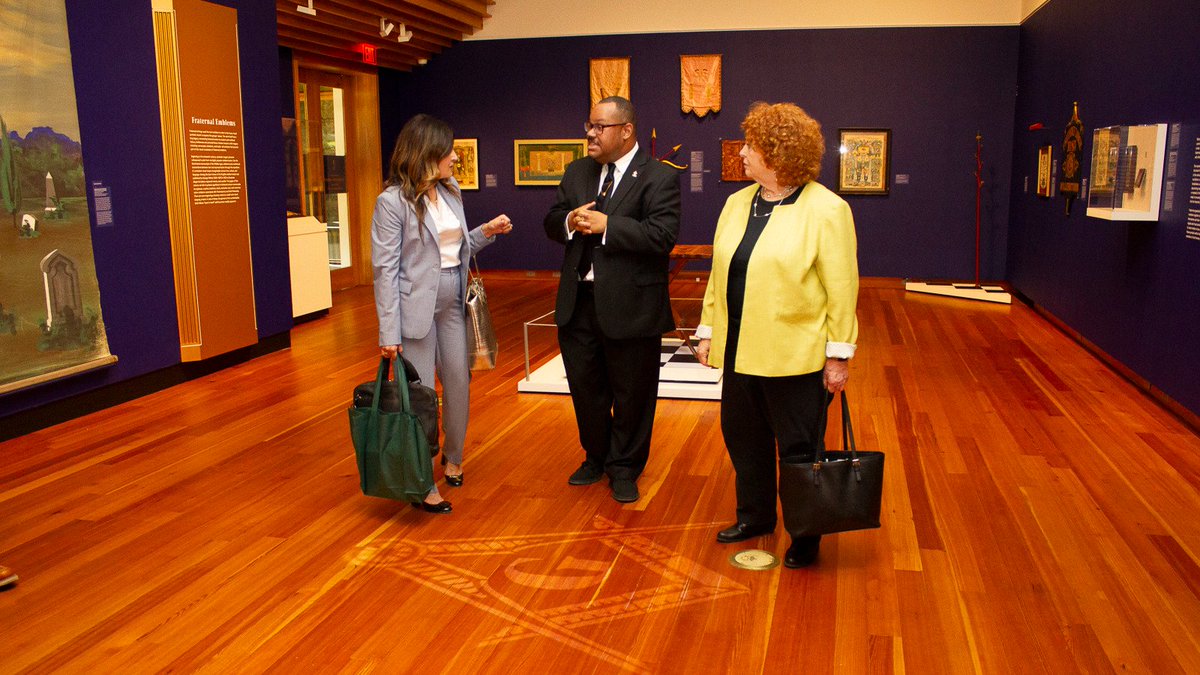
column 703, row 332
column 840, row 350
column 567, row 225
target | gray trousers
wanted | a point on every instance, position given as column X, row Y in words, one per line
column 445, row 348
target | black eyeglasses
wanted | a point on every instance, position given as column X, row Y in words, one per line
column 599, row 128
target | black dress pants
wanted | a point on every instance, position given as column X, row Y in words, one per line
column 614, row 389
column 760, row 413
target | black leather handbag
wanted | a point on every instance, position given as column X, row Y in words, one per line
column 423, row 401
column 838, row 492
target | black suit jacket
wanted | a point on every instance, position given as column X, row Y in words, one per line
column 631, row 267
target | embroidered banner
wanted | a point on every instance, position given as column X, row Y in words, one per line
column 700, row 83
column 1069, row 185
column 609, row 77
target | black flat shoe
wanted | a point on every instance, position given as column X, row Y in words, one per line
column 802, row 553
column 742, row 531
column 440, row 507
column 454, row 481
column 586, row 474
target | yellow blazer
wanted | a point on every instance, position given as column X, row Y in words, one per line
column 801, row 285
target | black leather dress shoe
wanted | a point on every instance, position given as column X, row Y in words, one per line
column 742, row 532
column 454, row 481
column 624, row 490
column 440, row 507
column 803, row 552
column 586, row 474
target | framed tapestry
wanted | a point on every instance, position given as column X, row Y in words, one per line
column 543, row 161
column 732, row 169
column 865, row 162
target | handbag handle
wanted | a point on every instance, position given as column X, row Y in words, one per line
column 848, row 444
column 385, row 364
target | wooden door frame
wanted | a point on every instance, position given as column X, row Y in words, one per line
column 364, row 161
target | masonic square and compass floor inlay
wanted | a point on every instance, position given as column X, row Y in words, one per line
column 536, row 582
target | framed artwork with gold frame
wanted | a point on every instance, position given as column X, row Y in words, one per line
column 732, row 169
column 543, row 161
column 865, row 161
column 1045, row 155
column 466, row 169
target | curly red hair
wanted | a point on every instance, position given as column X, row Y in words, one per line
column 789, row 140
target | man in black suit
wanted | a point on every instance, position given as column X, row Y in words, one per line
column 618, row 215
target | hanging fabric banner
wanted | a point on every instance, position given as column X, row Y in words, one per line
column 1072, row 164
column 700, row 83
column 50, row 320
column 609, row 77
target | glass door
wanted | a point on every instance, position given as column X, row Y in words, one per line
column 323, row 111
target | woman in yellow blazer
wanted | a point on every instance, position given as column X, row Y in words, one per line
column 779, row 313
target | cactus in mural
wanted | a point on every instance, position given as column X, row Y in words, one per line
column 10, row 182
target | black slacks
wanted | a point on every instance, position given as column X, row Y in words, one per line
column 614, row 389
column 759, row 413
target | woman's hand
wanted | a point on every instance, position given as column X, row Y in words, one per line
column 702, row 348
column 836, row 374
column 390, row 351
column 498, row 225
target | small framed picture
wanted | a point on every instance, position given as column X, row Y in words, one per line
column 543, row 161
column 1045, row 157
column 466, row 170
column 866, row 161
column 732, row 169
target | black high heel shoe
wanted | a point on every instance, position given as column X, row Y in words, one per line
column 440, row 507
column 452, row 481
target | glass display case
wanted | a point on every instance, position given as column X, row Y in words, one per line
column 1127, row 172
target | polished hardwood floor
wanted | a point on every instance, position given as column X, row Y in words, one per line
column 1040, row 515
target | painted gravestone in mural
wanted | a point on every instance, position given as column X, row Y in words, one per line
column 50, row 320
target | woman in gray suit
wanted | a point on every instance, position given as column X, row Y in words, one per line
column 420, row 249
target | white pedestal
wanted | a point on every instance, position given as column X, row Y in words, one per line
column 961, row 289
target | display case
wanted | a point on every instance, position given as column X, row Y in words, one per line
column 1127, row 172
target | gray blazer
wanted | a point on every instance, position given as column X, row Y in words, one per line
column 407, row 262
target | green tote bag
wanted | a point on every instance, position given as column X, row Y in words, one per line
column 391, row 447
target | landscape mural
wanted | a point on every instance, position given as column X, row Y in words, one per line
column 50, row 318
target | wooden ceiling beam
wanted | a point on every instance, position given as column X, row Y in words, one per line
column 340, row 25
column 409, row 13
column 352, row 33
column 367, row 22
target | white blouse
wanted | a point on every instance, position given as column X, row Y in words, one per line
column 449, row 229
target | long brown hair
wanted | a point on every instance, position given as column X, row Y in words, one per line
column 422, row 144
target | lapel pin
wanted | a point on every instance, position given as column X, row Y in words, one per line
column 635, row 174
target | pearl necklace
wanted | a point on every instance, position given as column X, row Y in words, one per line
column 754, row 203
column 779, row 194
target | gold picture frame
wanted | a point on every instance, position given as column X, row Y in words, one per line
column 1045, row 157
column 865, row 161
column 732, row 168
column 466, row 169
column 543, row 161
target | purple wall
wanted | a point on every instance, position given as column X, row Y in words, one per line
column 112, row 50
column 1130, row 288
column 933, row 87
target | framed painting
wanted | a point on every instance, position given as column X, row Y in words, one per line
column 543, row 161
column 466, row 169
column 732, row 169
column 866, row 161
column 1045, row 156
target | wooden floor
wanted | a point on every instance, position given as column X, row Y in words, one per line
column 1041, row 515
